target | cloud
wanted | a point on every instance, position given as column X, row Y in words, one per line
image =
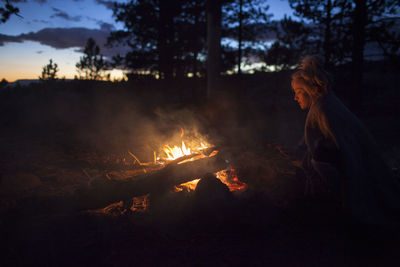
column 7, row 38
column 107, row 4
column 104, row 26
column 61, row 38
column 42, row 21
column 65, row 37
column 61, row 14
column 24, row 1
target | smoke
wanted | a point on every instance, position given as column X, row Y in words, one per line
column 120, row 122
column 121, row 118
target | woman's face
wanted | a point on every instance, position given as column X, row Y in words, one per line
column 300, row 94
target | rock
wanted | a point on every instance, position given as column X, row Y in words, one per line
column 211, row 194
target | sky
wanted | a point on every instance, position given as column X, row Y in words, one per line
column 59, row 29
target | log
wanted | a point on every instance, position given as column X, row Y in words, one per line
column 106, row 192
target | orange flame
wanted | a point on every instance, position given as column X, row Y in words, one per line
column 228, row 177
column 176, row 152
column 189, row 186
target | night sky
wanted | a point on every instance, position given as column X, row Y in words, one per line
column 59, row 29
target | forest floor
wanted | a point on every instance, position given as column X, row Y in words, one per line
column 271, row 223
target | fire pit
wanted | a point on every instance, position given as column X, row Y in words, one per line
column 175, row 168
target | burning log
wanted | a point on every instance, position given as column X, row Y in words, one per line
column 107, row 191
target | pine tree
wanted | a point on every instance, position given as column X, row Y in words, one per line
column 244, row 21
column 292, row 42
column 49, row 71
column 92, row 65
column 7, row 10
column 342, row 28
column 166, row 38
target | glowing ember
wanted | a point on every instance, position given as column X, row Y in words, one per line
column 188, row 151
column 189, row 186
column 140, row 203
column 229, row 177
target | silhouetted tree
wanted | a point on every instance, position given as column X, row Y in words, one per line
column 7, row 10
column 343, row 28
column 190, row 26
column 160, row 34
column 171, row 39
column 245, row 21
column 293, row 41
column 92, row 65
column 49, row 71
column 213, row 45
column 372, row 21
column 327, row 18
column 3, row 83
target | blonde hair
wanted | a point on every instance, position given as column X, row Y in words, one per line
column 311, row 73
column 317, row 84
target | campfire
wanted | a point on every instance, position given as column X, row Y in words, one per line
column 195, row 151
column 187, row 156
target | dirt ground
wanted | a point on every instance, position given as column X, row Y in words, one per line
column 57, row 151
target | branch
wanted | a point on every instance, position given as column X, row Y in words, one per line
column 110, row 191
column 385, row 19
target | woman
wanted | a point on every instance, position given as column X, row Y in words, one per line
column 342, row 159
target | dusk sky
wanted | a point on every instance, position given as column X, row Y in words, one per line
column 59, row 29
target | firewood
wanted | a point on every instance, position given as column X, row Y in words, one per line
column 107, row 191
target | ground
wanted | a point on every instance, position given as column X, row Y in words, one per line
column 53, row 143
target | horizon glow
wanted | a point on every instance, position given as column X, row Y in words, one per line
column 25, row 60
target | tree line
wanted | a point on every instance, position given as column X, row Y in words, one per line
column 338, row 31
column 91, row 66
column 170, row 39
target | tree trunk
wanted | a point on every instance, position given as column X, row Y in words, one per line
column 214, row 45
column 195, row 51
column 327, row 39
column 195, row 55
column 165, row 31
column 359, row 23
column 240, row 36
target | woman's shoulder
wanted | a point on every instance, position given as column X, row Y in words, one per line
column 326, row 110
column 329, row 103
column 319, row 106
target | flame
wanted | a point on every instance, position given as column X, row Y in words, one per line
column 228, row 177
column 191, row 149
column 189, row 186
column 176, row 152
